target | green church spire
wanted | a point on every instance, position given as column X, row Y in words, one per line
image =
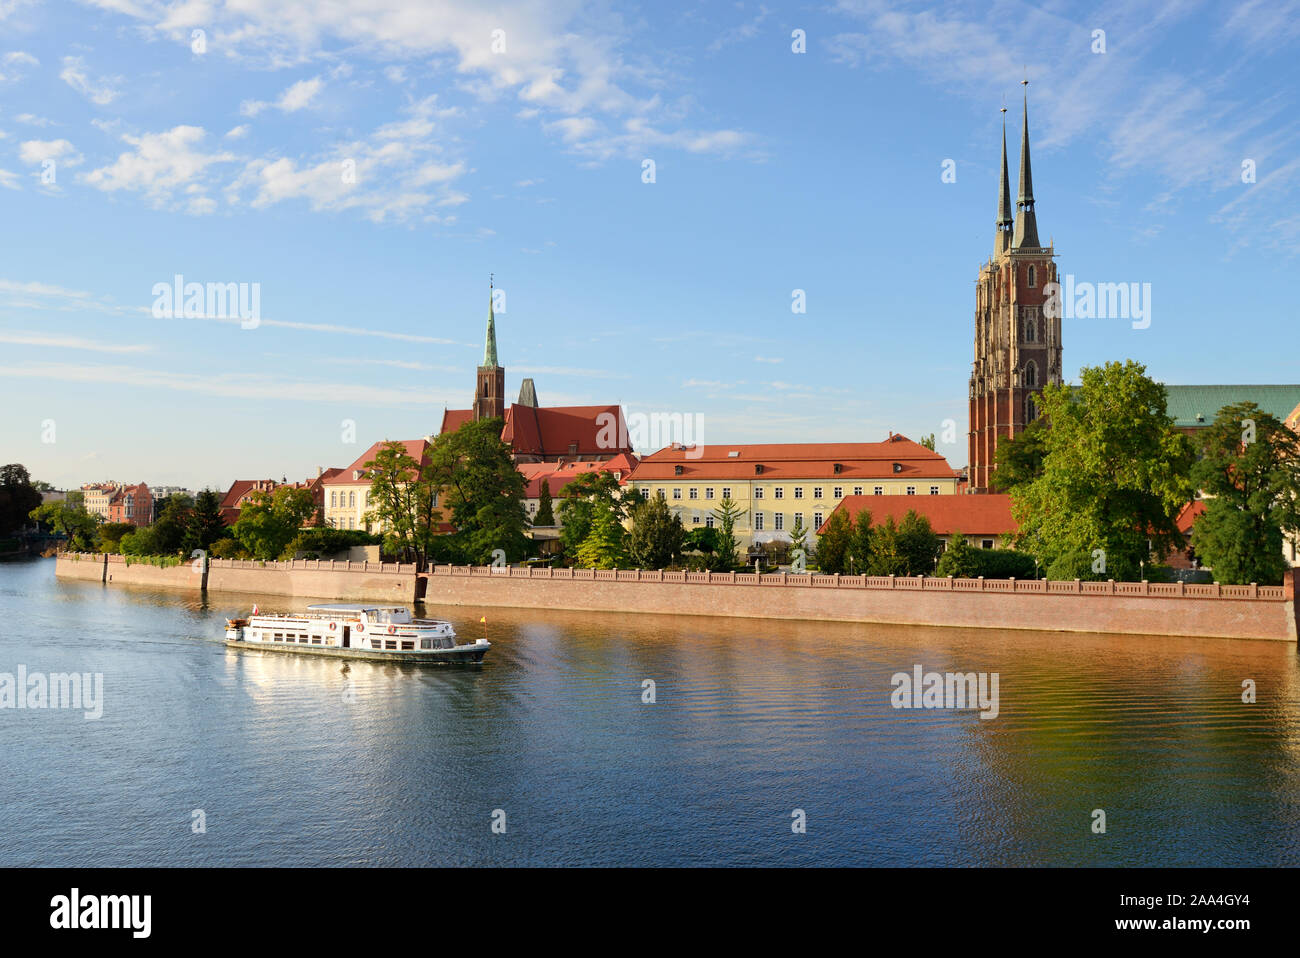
column 490, row 347
column 1026, row 222
column 1005, row 222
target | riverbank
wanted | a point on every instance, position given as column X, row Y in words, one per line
column 1129, row 608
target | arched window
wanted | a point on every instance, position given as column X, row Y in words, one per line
column 1031, row 409
column 1031, row 374
column 1031, row 330
column 1033, row 276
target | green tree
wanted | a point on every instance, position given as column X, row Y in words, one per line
column 1019, row 460
column 403, row 502
column 704, row 540
column 928, row 442
column 835, row 545
column 205, row 525
column 727, row 515
column 588, row 495
column 606, row 544
column 170, row 524
column 960, row 560
column 799, row 544
column 1114, row 476
column 657, row 534
column 918, row 544
column 111, row 533
column 887, row 556
column 477, row 482
column 269, row 521
column 545, row 516
column 18, row 497
column 1250, row 473
column 71, row 519
column 860, row 544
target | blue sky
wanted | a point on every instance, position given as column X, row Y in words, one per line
column 774, row 171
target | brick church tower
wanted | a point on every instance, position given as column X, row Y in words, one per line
column 490, row 387
column 1017, row 347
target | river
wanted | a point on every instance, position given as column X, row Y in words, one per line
column 210, row 756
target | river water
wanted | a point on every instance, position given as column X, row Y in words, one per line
column 298, row 760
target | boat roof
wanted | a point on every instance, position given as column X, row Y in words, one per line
column 351, row 607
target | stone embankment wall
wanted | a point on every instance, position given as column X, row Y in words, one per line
column 363, row 581
column 1134, row 608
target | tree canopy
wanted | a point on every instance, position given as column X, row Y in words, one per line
column 482, row 491
column 1250, row 473
column 1114, row 475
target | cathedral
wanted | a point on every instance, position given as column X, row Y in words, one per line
column 1017, row 344
column 535, row 433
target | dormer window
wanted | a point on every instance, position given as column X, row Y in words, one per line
column 758, row 468
column 677, row 470
column 898, row 467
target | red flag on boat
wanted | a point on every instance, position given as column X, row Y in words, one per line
column 254, row 608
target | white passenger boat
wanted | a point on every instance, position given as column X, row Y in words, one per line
column 387, row 632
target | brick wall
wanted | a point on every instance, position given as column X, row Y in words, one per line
column 1133, row 608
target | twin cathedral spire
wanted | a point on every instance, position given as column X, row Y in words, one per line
column 1017, row 333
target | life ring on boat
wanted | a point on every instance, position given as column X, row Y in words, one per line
column 361, row 627
column 333, row 626
column 392, row 630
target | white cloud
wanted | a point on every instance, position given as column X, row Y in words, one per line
column 15, row 65
column 561, row 59
column 299, row 95
column 101, row 92
column 237, row 133
column 31, row 119
column 21, row 338
column 293, row 99
column 8, row 179
column 397, row 174
column 34, row 152
column 159, row 166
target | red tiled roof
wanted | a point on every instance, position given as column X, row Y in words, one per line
column 1189, row 514
column 551, row 430
column 557, row 475
column 563, row 430
column 810, row 460
column 453, row 419
column 979, row 515
column 354, row 475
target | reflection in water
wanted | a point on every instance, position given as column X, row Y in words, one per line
column 311, row 761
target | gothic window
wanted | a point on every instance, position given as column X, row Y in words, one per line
column 1031, row 409
column 1031, row 329
column 1031, row 375
column 1033, row 277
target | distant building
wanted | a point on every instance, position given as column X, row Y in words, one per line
column 133, row 504
column 537, row 433
column 555, row 476
column 241, row 489
column 97, row 496
column 345, row 495
column 775, row 485
column 238, row 494
column 1194, row 408
column 983, row 521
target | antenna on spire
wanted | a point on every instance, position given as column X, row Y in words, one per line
column 490, row 275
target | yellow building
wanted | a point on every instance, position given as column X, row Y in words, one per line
column 775, row 484
column 347, row 495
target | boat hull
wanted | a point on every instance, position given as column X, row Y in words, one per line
column 459, row 655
